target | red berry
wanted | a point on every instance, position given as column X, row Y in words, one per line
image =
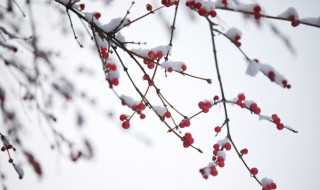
column 257, row 8
column 257, row 15
column 217, row 129
column 183, row 67
column 273, row 186
column 159, row 54
column 201, row 104
column 198, row 5
column 202, row 12
column 295, row 23
column 145, row 77
column 225, row 2
column 151, row 54
column 97, row 15
column 215, row 98
column 254, row 171
column 213, row 171
column 126, row 125
column 213, row 13
column 10, row 160
column 237, row 38
column 238, row 44
column 253, row 106
column 284, row 82
column 141, row 106
column 142, row 116
column 221, row 164
column 241, row 97
column 189, row 3
column 167, row 114
column 151, row 65
column 257, row 111
column 280, row 126
column 149, row 7
column 216, row 146
column 187, row 123
column 244, row 151
column 169, row 69
column 146, row 61
column 82, row 6
column 227, row 146
column 205, row 110
column 115, row 82
column 208, row 104
column 215, row 152
column 3, row 148
column 123, row 117
column 14, row 49
column 271, row 75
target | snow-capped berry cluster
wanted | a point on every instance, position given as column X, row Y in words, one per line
column 174, row 66
column 169, row 3
column 277, row 121
column 187, row 140
column 112, row 73
column 209, row 170
column 255, row 66
column 268, row 184
column 205, row 106
column 6, row 143
column 291, row 14
column 162, row 112
column 152, row 57
column 251, row 105
column 136, row 106
column 219, row 157
column 234, row 35
column 184, row 123
column 204, row 8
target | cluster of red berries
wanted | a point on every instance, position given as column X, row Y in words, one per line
column 271, row 75
column 236, row 40
column 205, row 106
column 277, row 121
column 198, row 7
column 294, row 21
column 252, row 106
column 147, row 78
column 187, row 140
column 270, row 186
column 7, row 147
column 111, row 66
column 152, row 56
column 169, row 3
column 184, row 123
column 104, row 53
column 212, row 169
column 256, row 12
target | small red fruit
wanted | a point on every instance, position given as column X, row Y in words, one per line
column 149, row 7
column 82, row 6
column 97, row 15
column 123, row 117
column 126, row 125
column 244, row 151
column 217, row 129
column 254, row 171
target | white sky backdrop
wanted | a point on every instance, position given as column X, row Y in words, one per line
column 146, row 156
